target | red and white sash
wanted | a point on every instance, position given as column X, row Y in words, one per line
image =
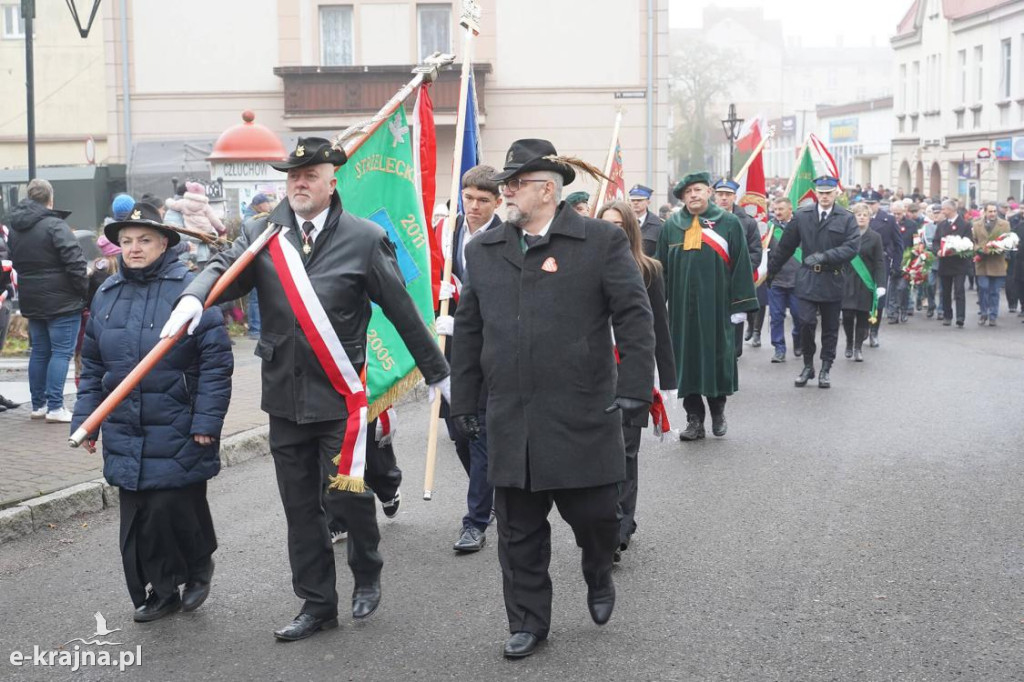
column 312, row 317
column 8, row 266
column 717, row 243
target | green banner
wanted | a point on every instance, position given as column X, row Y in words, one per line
column 861, row 268
column 379, row 183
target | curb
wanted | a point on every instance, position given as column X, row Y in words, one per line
column 31, row 515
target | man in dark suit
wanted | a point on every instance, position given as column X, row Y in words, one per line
column 828, row 237
column 650, row 224
column 953, row 269
column 725, row 197
column 884, row 224
column 546, row 291
column 480, row 200
column 349, row 263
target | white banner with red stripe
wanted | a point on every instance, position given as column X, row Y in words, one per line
column 717, row 243
column 326, row 345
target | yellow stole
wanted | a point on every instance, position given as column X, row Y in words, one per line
column 691, row 238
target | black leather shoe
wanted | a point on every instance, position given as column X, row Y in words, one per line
column 470, row 540
column 780, row 356
column 601, row 603
column 805, row 375
column 749, row 334
column 8, row 404
column 960, row 323
column 946, row 323
column 694, row 429
column 156, row 607
column 521, row 645
column 755, row 340
column 849, row 352
column 873, row 340
column 823, row 379
column 197, row 590
column 365, row 600
column 858, row 355
column 719, row 425
column 305, row 625
column 797, row 351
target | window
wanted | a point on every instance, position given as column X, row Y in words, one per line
column 976, row 114
column 913, row 124
column 336, row 35
column 903, row 124
column 915, row 86
column 1004, row 69
column 959, row 120
column 14, row 24
column 978, row 83
column 435, row 28
column 903, row 87
column 961, row 60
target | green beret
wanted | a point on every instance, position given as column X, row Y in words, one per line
column 577, row 198
column 691, row 179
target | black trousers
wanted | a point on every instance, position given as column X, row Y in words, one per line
column 382, row 476
column 693, row 403
column 166, row 538
column 628, row 489
column 300, row 452
column 524, row 546
column 855, row 326
column 809, row 311
column 953, row 289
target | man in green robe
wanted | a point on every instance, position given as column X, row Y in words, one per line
column 710, row 287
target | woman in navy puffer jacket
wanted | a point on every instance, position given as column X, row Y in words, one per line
column 160, row 445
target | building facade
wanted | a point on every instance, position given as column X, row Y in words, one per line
column 959, row 99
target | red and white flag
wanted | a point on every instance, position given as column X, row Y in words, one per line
column 616, row 190
column 821, row 151
column 424, row 139
column 755, row 195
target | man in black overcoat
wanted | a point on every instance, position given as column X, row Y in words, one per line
column 828, row 237
column 545, row 292
column 953, row 269
column 650, row 224
column 350, row 262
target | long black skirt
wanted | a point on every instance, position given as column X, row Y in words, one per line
column 166, row 538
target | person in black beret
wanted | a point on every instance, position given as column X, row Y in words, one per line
column 542, row 295
column 347, row 263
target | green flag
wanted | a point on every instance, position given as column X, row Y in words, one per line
column 802, row 188
column 379, row 183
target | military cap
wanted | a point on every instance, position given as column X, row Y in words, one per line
column 726, row 185
column 825, row 182
column 640, row 191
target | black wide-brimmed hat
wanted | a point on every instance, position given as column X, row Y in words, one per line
column 309, row 151
column 534, row 155
column 142, row 215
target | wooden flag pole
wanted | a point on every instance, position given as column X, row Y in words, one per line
column 470, row 22
column 356, row 136
column 602, row 187
column 757, row 150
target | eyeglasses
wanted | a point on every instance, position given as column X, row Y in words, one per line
column 515, row 184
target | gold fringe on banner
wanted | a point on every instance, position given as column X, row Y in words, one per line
column 349, row 484
column 401, row 387
column 578, row 164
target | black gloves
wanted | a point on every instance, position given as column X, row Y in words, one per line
column 631, row 407
column 467, row 425
column 814, row 259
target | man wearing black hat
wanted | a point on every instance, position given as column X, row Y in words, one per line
column 710, row 289
column 828, row 237
column 336, row 265
column 725, row 197
column 885, row 225
column 545, row 291
column 650, row 224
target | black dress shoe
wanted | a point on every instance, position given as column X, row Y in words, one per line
column 197, row 590
column 858, row 355
column 849, row 352
column 823, row 379
column 156, row 607
column 797, row 351
column 521, row 645
column 947, row 323
column 601, row 602
column 8, row 404
column 749, row 334
column 365, row 600
column 719, row 425
column 694, row 429
column 470, row 539
column 755, row 340
column 305, row 625
column 805, row 375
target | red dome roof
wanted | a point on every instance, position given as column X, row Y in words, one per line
column 248, row 141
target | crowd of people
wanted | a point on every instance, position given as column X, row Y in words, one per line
column 569, row 335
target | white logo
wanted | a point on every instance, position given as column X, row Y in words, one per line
column 397, row 131
column 101, row 631
column 81, row 655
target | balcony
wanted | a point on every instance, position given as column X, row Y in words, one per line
column 329, row 96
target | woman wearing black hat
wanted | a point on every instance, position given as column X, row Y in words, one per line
column 160, row 446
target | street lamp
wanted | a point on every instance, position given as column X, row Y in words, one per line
column 731, row 126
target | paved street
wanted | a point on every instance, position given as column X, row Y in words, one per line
column 869, row 532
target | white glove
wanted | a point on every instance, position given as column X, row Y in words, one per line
column 384, row 437
column 445, row 325
column 880, row 291
column 738, row 318
column 447, row 291
column 188, row 311
column 444, row 386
